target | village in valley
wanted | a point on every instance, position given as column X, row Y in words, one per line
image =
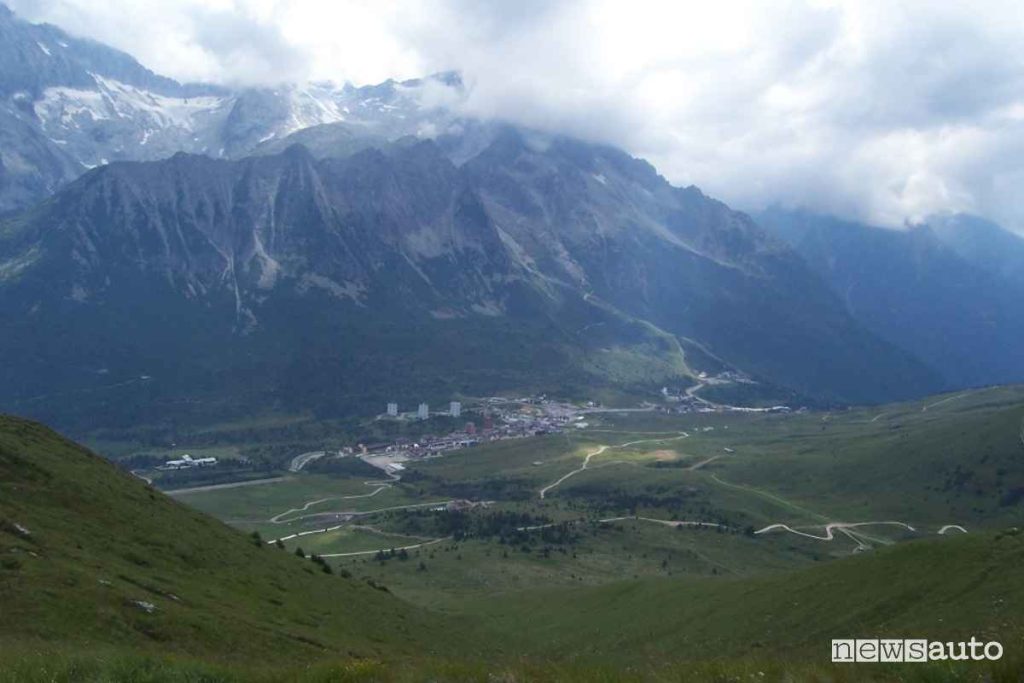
column 497, row 418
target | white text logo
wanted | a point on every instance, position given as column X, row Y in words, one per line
column 914, row 650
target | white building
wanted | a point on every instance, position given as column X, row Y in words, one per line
column 188, row 461
column 392, row 410
column 423, row 412
column 455, row 409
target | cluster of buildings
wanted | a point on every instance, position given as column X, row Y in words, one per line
column 423, row 411
column 187, row 462
column 502, row 419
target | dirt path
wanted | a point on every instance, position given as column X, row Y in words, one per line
column 349, row 514
column 380, row 484
column 608, row 520
column 277, row 519
column 598, row 451
column 665, row 522
column 945, row 400
column 374, row 552
column 707, row 461
column 831, row 529
column 768, row 496
column 845, row 528
column 364, row 513
column 586, row 462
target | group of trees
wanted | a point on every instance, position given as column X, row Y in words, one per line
column 492, row 488
column 508, row 526
column 383, row 556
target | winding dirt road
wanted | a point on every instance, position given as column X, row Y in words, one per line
column 379, row 483
column 349, row 514
column 598, row 451
column 851, row 531
column 278, row 519
column 374, row 552
column 945, row 400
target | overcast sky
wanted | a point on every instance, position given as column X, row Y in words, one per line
column 883, row 111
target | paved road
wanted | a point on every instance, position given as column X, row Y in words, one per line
column 300, row 461
column 232, row 485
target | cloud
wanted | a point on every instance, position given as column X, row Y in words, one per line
column 880, row 111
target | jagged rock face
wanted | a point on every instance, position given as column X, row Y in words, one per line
column 273, row 280
column 34, row 57
column 31, row 166
column 404, row 225
column 304, row 280
column 606, row 223
column 368, row 262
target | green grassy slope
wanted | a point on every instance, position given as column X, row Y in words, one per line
column 951, row 587
column 99, row 540
column 956, row 458
column 228, row 610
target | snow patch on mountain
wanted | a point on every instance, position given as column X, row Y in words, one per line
column 63, row 106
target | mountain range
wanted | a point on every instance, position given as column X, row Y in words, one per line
column 189, row 250
column 949, row 290
column 69, row 104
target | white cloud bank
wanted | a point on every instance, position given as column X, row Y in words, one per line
column 875, row 110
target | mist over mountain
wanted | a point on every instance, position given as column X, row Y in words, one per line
column 322, row 247
column 949, row 291
column 71, row 104
column 983, row 244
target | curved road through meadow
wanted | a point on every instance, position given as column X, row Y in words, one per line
column 598, row 451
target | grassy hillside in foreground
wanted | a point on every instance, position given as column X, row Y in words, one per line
column 944, row 588
column 82, row 542
column 91, row 555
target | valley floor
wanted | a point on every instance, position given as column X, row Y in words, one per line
column 646, row 494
